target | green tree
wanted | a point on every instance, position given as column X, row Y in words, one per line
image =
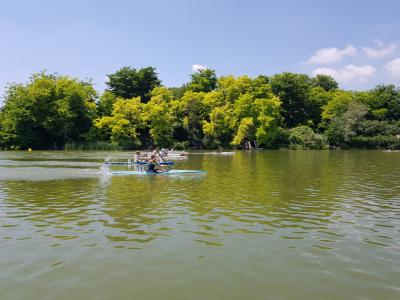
column 303, row 137
column 217, row 131
column 384, row 101
column 268, row 120
column 105, row 103
column 124, row 124
column 260, row 87
column 328, row 83
column 318, row 98
column 159, row 117
column 231, row 87
column 337, row 106
column 191, row 111
column 245, row 131
column 203, row 80
column 293, row 90
column 128, row 83
column 47, row 112
column 256, row 119
column 344, row 126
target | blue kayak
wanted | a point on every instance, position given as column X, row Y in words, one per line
column 169, row 172
column 167, row 163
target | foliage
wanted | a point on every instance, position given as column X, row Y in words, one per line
column 203, row 80
column 337, row 105
column 343, row 127
column 328, row 83
column 105, row 104
column 122, row 127
column 129, row 83
column 376, row 127
column 159, row 118
column 216, row 130
column 285, row 110
column 47, row 112
column 375, row 142
column 303, row 137
column 293, row 90
column 256, row 119
column 384, row 101
column 245, row 131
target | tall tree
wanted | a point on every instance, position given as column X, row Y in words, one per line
column 203, row 81
column 293, row 90
column 159, row 117
column 105, row 103
column 123, row 126
column 47, row 112
column 129, row 83
column 385, row 102
column 343, row 128
column 328, row 83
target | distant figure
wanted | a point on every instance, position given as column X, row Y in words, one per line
column 136, row 158
column 164, row 152
column 153, row 164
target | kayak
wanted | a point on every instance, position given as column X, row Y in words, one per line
column 169, row 172
column 167, row 163
column 169, row 153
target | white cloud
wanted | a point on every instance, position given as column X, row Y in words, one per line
column 379, row 52
column 393, row 67
column 348, row 73
column 331, row 55
column 197, row 68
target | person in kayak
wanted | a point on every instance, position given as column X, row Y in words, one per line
column 136, row 158
column 153, row 165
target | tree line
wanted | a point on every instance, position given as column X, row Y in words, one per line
column 287, row 110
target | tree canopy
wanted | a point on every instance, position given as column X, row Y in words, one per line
column 47, row 112
column 128, row 83
column 285, row 110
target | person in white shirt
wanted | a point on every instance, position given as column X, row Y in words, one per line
column 136, row 158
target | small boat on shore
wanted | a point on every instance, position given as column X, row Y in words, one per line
column 169, row 153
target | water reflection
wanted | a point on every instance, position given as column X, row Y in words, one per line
column 291, row 195
column 335, row 211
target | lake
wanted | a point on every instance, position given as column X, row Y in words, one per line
column 257, row 225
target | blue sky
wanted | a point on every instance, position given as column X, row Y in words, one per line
column 358, row 42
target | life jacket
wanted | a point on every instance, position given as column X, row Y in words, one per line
column 152, row 167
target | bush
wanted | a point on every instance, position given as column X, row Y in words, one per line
column 375, row 127
column 303, row 137
column 375, row 142
column 181, row 145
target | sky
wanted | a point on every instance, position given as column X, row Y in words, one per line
column 357, row 42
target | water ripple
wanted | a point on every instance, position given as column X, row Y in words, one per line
column 333, row 217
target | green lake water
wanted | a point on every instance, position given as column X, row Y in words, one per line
column 257, row 225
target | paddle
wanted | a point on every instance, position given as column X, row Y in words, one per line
column 159, row 154
column 162, row 158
